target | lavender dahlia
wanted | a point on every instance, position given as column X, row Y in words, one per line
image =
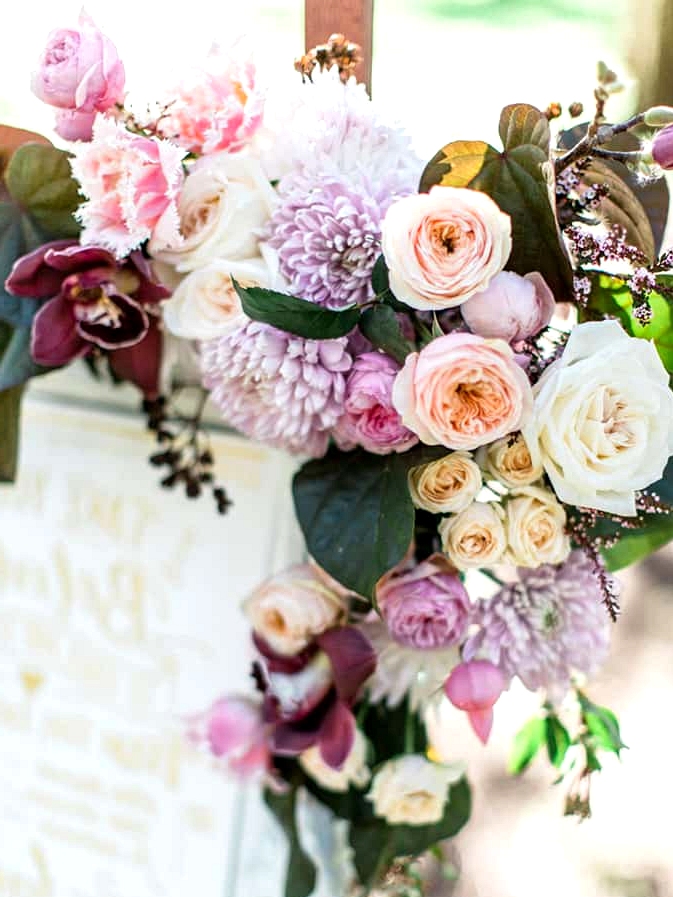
column 546, row 626
column 278, row 388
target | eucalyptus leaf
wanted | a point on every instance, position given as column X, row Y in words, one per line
column 526, row 744
column 380, row 325
column 520, row 180
column 305, row 319
column 17, row 365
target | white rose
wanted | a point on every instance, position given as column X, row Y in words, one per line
column 290, row 609
column 535, row 524
column 475, row 537
column 354, row 770
column 224, row 201
column 603, row 420
column 411, row 790
column 509, row 461
column 205, row 304
column 447, row 485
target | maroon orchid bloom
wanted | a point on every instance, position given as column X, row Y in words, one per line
column 94, row 300
column 308, row 697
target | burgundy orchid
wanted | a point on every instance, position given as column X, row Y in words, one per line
column 94, row 300
column 308, row 697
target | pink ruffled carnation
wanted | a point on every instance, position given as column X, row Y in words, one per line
column 131, row 184
column 233, row 730
column 218, row 107
column 278, row 388
column 370, row 418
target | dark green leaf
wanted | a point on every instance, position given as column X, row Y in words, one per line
column 602, row 724
column 301, row 873
column 557, row 738
column 356, row 513
column 17, row 365
column 18, row 235
column 526, row 744
column 40, row 181
column 380, row 325
column 296, row 316
column 380, row 281
column 385, row 728
column 520, row 180
column 593, row 763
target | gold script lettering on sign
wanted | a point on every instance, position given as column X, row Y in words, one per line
column 157, row 757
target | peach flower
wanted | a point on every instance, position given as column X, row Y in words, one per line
column 443, row 246
column 462, row 391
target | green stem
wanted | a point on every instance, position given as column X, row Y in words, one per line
column 409, row 734
column 492, row 576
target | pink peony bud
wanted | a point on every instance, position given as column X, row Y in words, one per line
column 474, row 687
column 79, row 69
column 512, row 307
column 662, row 148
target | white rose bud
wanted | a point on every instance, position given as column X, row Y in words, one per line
column 447, row 485
column 508, row 460
column 603, row 420
column 535, row 524
column 475, row 537
column 411, row 790
column 290, row 609
column 353, row 772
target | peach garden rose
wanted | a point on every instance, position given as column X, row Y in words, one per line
column 444, row 246
column 462, row 391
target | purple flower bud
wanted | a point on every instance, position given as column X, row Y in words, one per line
column 662, row 148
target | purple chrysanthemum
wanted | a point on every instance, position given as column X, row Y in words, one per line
column 278, row 388
column 546, row 626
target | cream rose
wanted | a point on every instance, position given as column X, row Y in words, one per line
column 535, row 525
column 443, row 246
column 603, row 420
column 411, row 790
column 290, row 609
column 353, row 772
column 447, row 485
column 205, row 304
column 475, row 537
column 224, row 201
column 508, row 460
column 462, row 391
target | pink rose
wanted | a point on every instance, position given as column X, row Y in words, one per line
column 424, row 607
column 370, row 420
column 218, row 107
column 511, row 307
column 462, row 391
column 131, row 184
column 443, row 246
column 79, row 70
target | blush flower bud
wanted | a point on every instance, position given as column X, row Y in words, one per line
column 512, row 308
column 662, row 148
column 475, row 686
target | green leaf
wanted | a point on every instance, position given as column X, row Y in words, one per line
column 301, row 873
column 557, row 738
column 520, row 180
column 385, row 729
column 526, row 744
column 17, row 365
column 40, row 181
column 602, row 724
column 380, row 325
column 18, row 235
column 356, row 513
column 380, row 282
column 296, row 316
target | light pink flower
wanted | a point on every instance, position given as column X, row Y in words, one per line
column 462, row 391
column 218, row 107
column 131, row 184
column 79, row 70
column 370, row 419
column 474, row 687
column 443, row 246
column 233, row 729
column 511, row 307
column 426, row 606
column 72, row 124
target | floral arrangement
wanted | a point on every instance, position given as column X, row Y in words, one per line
column 477, row 370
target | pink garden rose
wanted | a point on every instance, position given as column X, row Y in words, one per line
column 80, row 73
column 425, row 606
column 218, row 107
column 512, row 307
column 443, row 246
column 370, row 419
column 462, row 391
column 131, row 184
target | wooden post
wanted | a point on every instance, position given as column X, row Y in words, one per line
column 354, row 18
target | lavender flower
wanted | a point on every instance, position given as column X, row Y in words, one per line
column 546, row 626
column 278, row 388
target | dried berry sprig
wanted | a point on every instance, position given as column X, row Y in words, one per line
column 185, row 449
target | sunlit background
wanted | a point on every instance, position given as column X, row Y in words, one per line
column 445, row 69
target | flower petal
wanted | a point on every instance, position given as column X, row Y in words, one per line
column 140, row 364
column 97, row 325
column 337, row 735
column 352, row 657
column 32, row 277
column 55, row 340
